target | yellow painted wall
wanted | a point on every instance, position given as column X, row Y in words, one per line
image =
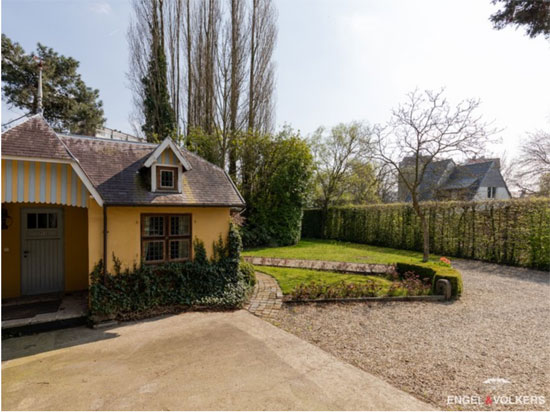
column 95, row 234
column 11, row 252
column 75, row 248
column 124, row 226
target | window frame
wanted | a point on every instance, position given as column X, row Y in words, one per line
column 491, row 190
column 165, row 238
column 175, row 178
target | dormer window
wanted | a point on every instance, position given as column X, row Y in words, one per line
column 167, row 178
column 167, row 165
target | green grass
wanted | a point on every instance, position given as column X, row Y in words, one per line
column 332, row 250
column 289, row 278
column 340, row 252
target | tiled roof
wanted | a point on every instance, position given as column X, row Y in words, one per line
column 468, row 176
column 114, row 169
column 433, row 176
column 33, row 138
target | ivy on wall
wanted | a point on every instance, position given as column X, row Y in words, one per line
column 221, row 282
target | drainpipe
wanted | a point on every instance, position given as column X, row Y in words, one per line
column 104, row 239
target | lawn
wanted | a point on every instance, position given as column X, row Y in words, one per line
column 340, row 252
column 331, row 250
column 289, row 278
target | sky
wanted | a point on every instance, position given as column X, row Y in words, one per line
column 336, row 60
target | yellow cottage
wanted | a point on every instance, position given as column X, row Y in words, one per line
column 69, row 201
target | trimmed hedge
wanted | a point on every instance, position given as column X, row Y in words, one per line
column 434, row 272
column 513, row 232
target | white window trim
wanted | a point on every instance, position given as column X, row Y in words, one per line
column 173, row 181
column 168, row 142
column 154, row 177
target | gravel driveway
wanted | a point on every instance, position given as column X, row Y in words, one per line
column 500, row 328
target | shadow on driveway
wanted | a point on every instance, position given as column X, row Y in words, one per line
column 14, row 348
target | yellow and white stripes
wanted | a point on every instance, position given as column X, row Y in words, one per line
column 168, row 158
column 41, row 182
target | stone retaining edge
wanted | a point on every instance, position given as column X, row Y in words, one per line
column 428, row 298
column 342, row 267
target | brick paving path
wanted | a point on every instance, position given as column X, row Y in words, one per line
column 267, row 297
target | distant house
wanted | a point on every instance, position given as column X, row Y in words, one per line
column 477, row 179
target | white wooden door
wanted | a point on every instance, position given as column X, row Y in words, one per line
column 41, row 251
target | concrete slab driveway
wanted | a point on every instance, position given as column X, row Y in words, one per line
column 229, row 360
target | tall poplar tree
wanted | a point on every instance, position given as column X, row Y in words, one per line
column 160, row 120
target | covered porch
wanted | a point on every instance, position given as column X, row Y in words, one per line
column 45, row 251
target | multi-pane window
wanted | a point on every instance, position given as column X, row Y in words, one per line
column 166, row 237
column 41, row 220
column 491, row 192
column 167, row 178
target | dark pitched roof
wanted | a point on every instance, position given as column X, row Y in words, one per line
column 114, row 169
column 433, row 177
column 33, row 138
column 468, row 176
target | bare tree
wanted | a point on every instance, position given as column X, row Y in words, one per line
column 173, row 27
column 189, row 64
column 335, row 155
column 263, row 35
column 534, row 162
column 386, row 182
column 423, row 129
column 223, row 94
column 204, row 50
column 220, row 68
column 238, row 73
column 139, row 44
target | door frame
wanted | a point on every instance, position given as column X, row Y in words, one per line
column 38, row 209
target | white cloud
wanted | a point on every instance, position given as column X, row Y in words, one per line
column 101, row 7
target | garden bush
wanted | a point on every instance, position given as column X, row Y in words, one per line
column 222, row 282
column 339, row 290
column 433, row 272
column 249, row 273
column 512, row 232
column 407, row 284
column 278, row 173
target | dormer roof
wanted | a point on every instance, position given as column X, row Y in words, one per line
column 167, row 143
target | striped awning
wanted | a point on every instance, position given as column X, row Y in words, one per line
column 42, row 182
